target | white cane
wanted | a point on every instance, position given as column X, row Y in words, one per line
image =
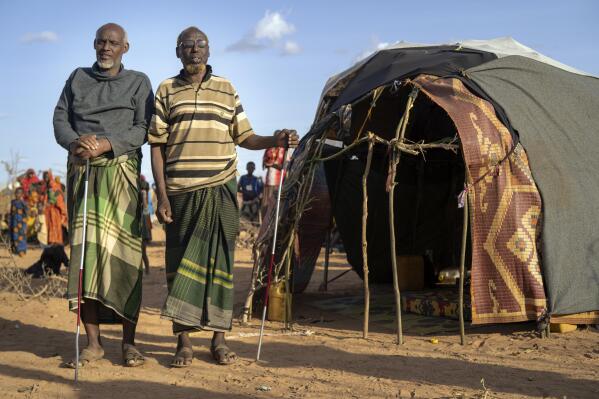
column 80, row 285
column 272, row 254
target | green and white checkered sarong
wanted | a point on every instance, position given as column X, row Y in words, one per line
column 112, row 266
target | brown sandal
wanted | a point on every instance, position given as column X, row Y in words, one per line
column 132, row 357
column 223, row 354
column 85, row 357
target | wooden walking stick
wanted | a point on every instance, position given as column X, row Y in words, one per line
column 80, row 284
column 272, row 255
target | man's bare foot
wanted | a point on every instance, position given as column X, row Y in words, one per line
column 87, row 355
column 183, row 357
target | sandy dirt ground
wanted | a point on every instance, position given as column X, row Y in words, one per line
column 324, row 357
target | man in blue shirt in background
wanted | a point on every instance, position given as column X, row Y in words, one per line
column 250, row 188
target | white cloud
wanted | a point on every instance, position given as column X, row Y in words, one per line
column 273, row 27
column 268, row 33
column 290, row 48
column 4, row 115
column 46, row 36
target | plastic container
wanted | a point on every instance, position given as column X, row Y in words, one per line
column 563, row 327
column 276, row 301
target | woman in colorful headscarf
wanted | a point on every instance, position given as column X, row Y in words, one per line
column 27, row 181
column 55, row 209
column 18, row 226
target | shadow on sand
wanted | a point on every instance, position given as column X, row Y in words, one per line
column 400, row 367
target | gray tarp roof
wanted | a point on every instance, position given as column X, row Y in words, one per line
column 557, row 116
column 501, row 47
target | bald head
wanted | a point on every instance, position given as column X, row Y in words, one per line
column 117, row 28
column 111, row 43
column 193, row 50
column 190, row 31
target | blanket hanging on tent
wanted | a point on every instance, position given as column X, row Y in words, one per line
column 507, row 285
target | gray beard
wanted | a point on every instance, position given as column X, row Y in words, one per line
column 194, row 69
column 105, row 65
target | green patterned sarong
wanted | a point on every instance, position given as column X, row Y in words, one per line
column 112, row 271
column 200, row 248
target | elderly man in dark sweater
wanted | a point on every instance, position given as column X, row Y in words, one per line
column 102, row 116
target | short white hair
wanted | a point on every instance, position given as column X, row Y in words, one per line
column 112, row 24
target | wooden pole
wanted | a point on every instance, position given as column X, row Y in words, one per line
column 288, row 274
column 395, row 156
column 463, row 267
column 364, row 239
column 247, row 307
column 304, row 192
column 289, row 284
column 394, row 257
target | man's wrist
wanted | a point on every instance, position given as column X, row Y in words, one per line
column 105, row 145
column 161, row 194
column 73, row 145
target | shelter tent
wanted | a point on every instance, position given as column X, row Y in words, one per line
column 517, row 129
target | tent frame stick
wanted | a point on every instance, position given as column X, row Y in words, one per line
column 247, row 306
column 462, row 268
column 299, row 207
column 400, row 133
column 288, row 285
column 333, row 205
column 340, row 275
column 376, row 93
column 396, row 290
column 364, row 238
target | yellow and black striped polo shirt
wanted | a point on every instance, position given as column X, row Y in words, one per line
column 200, row 125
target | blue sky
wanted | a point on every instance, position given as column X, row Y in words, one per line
column 278, row 54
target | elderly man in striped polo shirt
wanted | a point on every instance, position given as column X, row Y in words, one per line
column 198, row 123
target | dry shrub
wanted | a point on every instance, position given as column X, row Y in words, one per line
column 14, row 279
